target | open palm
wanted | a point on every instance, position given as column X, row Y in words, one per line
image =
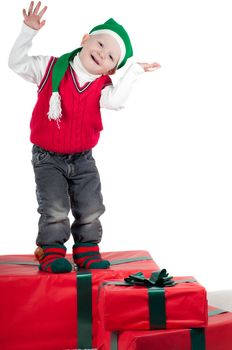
column 33, row 17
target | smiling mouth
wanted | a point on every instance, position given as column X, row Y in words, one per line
column 94, row 59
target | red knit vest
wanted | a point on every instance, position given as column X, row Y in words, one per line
column 80, row 125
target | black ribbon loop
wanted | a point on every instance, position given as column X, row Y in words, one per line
column 158, row 278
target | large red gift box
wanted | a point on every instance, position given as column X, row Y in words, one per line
column 133, row 307
column 40, row 310
column 216, row 336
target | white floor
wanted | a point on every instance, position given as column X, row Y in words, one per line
column 221, row 299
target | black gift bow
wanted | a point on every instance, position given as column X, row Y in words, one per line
column 158, row 278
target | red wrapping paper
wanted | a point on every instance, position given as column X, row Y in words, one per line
column 218, row 337
column 127, row 307
column 38, row 310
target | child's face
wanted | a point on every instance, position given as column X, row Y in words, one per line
column 100, row 53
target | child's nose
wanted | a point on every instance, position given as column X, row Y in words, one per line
column 102, row 54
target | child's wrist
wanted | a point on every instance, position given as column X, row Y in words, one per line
column 138, row 68
column 28, row 29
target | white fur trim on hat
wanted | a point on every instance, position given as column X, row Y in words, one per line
column 117, row 37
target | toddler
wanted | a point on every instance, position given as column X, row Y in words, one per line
column 65, row 126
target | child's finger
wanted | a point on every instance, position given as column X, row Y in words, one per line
column 42, row 24
column 155, row 64
column 24, row 14
column 30, row 8
column 41, row 13
column 36, row 10
column 152, row 69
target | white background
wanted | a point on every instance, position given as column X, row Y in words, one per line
column 165, row 160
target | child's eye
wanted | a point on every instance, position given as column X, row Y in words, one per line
column 100, row 44
column 111, row 58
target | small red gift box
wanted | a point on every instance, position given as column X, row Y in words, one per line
column 140, row 307
column 40, row 310
column 216, row 336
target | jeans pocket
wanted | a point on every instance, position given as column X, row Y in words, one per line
column 88, row 156
column 39, row 156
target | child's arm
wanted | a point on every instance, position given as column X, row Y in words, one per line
column 31, row 68
column 114, row 97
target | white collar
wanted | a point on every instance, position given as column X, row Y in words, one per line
column 82, row 74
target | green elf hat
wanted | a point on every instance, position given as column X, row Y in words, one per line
column 109, row 27
column 119, row 33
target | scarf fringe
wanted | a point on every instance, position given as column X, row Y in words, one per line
column 55, row 111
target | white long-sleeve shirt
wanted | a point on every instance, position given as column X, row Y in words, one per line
column 32, row 69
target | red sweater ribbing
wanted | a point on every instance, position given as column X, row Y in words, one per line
column 80, row 125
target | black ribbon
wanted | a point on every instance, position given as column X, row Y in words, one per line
column 158, row 278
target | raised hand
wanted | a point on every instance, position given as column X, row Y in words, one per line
column 150, row 67
column 32, row 18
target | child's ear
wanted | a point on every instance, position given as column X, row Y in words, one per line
column 85, row 38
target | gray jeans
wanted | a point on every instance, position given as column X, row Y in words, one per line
column 64, row 182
